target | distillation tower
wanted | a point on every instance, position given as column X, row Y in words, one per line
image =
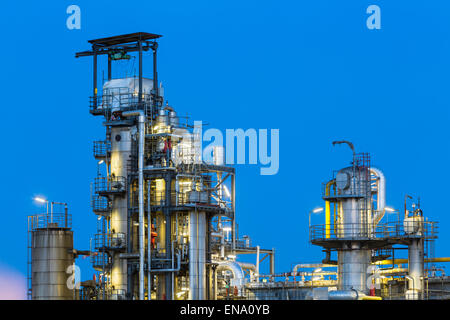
column 360, row 236
column 165, row 218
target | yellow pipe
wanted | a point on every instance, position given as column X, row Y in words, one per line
column 371, row 298
column 401, row 261
column 327, row 209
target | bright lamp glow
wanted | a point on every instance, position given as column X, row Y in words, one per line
column 317, row 210
column 389, row 209
column 41, row 200
column 226, row 229
column 101, row 161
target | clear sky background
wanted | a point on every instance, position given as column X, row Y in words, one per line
column 309, row 68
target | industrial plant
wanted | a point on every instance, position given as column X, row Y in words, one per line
column 166, row 227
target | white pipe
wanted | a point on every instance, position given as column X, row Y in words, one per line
column 141, row 124
column 235, row 269
column 257, row 263
column 312, row 265
column 381, row 194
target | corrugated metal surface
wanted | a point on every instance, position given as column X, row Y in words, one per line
column 51, row 256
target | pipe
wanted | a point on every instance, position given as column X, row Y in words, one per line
column 149, row 244
column 351, row 294
column 381, row 194
column 327, row 209
column 141, row 124
column 173, row 269
column 257, row 263
column 235, row 269
column 312, row 265
column 343, row 295
column 371, row 298
column 405, row 261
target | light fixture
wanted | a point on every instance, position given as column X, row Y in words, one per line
column 317, row 210
column 101, row 161
column 389, row 209
column 41, row 200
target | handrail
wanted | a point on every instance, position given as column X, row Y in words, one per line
column 425, row 229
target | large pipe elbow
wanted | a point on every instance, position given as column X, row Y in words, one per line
column 381, row 193
column 236, row 270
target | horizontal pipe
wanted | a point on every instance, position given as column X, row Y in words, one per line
column 312, row 265
column 405, row 261
column 350, row 295
column 371, row 298
column 170, row 270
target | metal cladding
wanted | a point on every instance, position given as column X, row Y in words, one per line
column 197, row 255
column 120, row 154
column 51, row 252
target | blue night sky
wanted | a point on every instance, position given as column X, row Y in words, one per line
column 309, row 68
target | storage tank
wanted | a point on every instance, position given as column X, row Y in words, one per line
column 52, row 254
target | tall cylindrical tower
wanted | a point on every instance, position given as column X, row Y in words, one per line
column 120, row 155
column 353, row 222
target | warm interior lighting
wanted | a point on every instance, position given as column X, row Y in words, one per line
column 389, row 209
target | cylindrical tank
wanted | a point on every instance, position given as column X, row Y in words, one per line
column 162, row 118
column 52, row 254
column 173, row 119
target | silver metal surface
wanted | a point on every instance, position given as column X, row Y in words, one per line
column 120, row 153
column 52, row 254
column 197, row 255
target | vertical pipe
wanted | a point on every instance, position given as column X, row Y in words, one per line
column 168, row 227
column 257, row 263
column 65, row 216
column 149, row 244
column 95, row 77
column 233, row 200
column 155, row 71
column 327, row 209
column 140, row 75
column 109, row 67
column 272, row 261
column 141, row 206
